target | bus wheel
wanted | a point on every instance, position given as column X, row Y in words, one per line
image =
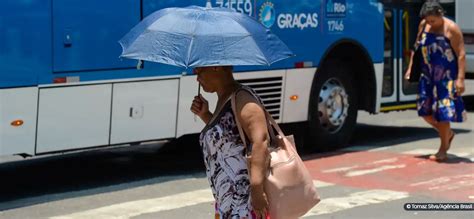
column 333, row 108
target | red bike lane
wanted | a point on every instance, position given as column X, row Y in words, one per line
column 453, row 181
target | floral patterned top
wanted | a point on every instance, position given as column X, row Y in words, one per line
column 226, row 164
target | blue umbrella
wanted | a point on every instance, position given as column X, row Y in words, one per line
column 197, row 36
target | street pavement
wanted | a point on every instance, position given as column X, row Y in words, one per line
column 384, row 168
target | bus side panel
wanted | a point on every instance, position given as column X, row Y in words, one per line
column 85, row 42
column 73, row 117
column 18, row 104
column 86, row 33
column 25, row 42
column 465, row 20
column 379, row 80
column 297, row 84
column 144, row 111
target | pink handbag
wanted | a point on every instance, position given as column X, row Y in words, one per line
column 288, row 185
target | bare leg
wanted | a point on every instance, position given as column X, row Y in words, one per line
column 444, row 130
column 445, row 134
column 430, row 120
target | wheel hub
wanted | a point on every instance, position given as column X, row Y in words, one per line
column 333, row 105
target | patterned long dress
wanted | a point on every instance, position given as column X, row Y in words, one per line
column 437, row 94
column 226, row 165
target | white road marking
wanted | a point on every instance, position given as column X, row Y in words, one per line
column 389, row 160
column 340, row 169
column 139, row 207
column 432, row 182
column 320, row 184
column 374, row 170
column 367, row 171
column 331, row 205
column 359, row 148
column 433, row 151
column 447, row 183
column 453, row 186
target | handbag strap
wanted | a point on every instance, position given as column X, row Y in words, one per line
column 271, row 123
column 417, row 40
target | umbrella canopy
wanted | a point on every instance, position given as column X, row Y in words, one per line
column 197, row 36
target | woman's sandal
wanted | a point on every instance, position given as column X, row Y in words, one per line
column 441, row 158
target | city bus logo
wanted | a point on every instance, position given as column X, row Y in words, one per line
column 267, row 14
column 336, row 8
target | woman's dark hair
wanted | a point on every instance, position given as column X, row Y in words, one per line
column 430, row 8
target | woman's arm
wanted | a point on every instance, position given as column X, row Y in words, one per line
column 410, row 62
column 457, row 42
column 254, row 123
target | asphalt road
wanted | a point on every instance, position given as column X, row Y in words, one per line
column 383, row 169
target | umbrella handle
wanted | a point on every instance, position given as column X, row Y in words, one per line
column 199, row 93
column 199, row 89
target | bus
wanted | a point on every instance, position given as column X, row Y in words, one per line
column 64, row 88
column 465, row 19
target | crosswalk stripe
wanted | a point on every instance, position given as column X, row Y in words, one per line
column 146, row 206
column 332, row 205
column 139, row 207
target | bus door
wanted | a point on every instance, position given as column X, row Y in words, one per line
column 401, row 25
column 408, row 30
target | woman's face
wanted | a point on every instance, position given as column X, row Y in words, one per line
column 434, row 21
column 208, row 77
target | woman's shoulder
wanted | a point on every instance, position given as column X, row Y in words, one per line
column 246, row 94
column 452, row 28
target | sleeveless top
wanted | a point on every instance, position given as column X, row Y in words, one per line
column 226, row 163
column 437, row 83
column 439, row 58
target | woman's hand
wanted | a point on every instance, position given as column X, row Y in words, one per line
column 460, row 88
column 259, row 201
column 407, row 74
column 200, row 107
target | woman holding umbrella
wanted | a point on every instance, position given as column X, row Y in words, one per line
column 238, row 194
column 212, row 40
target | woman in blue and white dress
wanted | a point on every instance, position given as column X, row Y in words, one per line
column 443, row 70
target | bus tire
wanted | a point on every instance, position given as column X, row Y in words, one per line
column 333, row 107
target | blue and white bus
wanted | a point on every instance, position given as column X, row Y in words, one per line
column 63, row 87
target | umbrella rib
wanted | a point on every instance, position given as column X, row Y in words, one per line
column 250, row 35
column 189, row 51
column 193, row 36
